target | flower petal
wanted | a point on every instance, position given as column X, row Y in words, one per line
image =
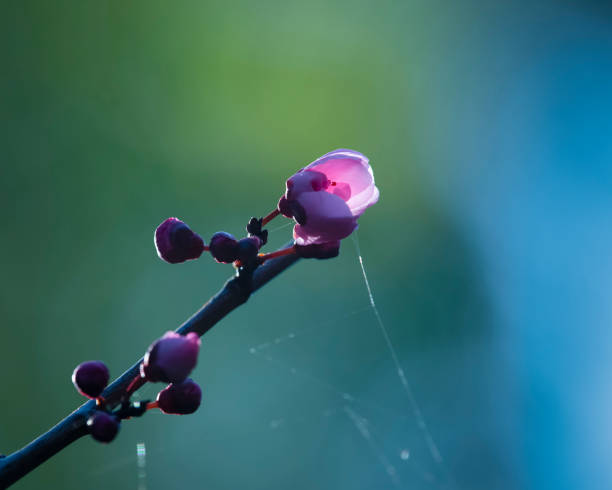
column 305, row 181
column 346, row 166
column 328, row 218
column 363, row 200
column 342, row 190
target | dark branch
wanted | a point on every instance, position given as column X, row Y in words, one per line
column 235, row 292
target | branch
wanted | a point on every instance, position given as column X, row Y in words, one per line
column 235, row 292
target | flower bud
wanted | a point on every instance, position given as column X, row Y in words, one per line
column 248, row 248
column 103, row 426
column 90, row 378
column 181, row 399
column 284, row 207
column 171, row 358
column 175, row 242
column 318, row 250
column 223, row 247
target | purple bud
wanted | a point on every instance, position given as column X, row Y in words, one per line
column 171, row 358
column 319, row 250
column 90, row 378
column 223, row 247
column 175, row 242
column 103, row 426
column 248, row 248
column 298, row 212
column 284, row 208
column 180, row 399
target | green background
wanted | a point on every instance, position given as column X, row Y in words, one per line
column 116, row 115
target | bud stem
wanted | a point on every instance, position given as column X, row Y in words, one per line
column 152, row 405
column 270, row 217
column 136, row 383
column 278, row 253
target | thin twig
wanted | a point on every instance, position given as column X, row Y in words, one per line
column 235, row 292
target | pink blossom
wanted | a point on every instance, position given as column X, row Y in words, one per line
column 327, row 197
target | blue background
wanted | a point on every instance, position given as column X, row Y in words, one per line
column 488, row 128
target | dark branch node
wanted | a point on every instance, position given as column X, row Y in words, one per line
column 127, row 409
column 255, row 228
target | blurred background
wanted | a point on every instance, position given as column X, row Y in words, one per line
column 488, row 129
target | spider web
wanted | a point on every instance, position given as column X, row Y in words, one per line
column 354, row 408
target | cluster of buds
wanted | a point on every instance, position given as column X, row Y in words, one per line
column 169, row 359
column 325, row 199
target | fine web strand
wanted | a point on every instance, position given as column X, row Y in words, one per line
column 295, row 333
column 263, row 350
column 368, row 430
column 141, row 462
column 345, row 398
column 422, row 425
column 281, row 227
column 343, row 395
column 361, row 425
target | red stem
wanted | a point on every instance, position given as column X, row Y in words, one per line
column 136, row 383
column 270, row 217
column 278, row 253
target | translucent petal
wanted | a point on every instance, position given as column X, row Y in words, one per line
column 328, row 218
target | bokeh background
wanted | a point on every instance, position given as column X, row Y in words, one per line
column 488, row 127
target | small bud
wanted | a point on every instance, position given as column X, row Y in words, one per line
column 319, row 250
column 90, row 378
column 291, row 208
column 180, row 399
column 223, row 247
column 298, row 212
column 103, row 426
column 175, row 242
column 284, row 208
column 254, row 228
column 248, row 248
column 171, row 358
